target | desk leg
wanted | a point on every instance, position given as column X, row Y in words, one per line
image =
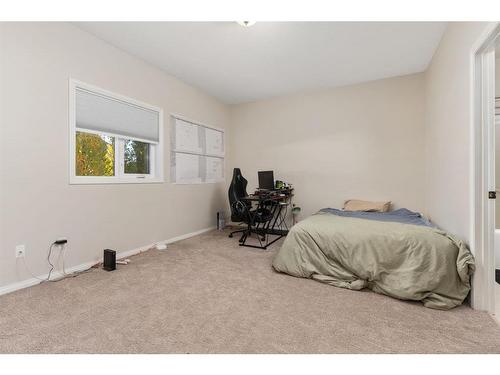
column 276, row 215
column 265, row 230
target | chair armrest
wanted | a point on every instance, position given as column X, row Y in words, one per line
column 243, row 211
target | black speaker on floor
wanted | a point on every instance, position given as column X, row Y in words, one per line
column 109, row 263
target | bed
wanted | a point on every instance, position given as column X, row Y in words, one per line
column 398, row 253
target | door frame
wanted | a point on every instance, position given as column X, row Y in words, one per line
column 483, row 167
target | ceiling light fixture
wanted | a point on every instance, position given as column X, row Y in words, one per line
column 246, row 23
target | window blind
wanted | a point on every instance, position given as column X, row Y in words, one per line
column 197, row 153
column 108, row 115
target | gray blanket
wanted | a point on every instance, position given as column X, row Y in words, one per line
column 402, row 215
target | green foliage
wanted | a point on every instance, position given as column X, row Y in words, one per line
column 95, row 155
column 136, row 157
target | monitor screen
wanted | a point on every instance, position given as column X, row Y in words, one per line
column 266, row 180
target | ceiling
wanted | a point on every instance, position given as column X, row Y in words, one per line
column 237, row 64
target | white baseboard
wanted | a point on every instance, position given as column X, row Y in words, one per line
column 129, row 253
column 85, row 266
column 37, row 280
column 189, row 235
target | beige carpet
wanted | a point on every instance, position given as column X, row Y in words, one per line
column 208, row 295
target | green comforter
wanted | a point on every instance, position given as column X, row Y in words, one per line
column 403, row 261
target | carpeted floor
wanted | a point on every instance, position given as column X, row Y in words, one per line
column 208, row 295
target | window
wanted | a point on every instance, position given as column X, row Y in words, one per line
column 197, row 152
column 95, row 155
column 136, row 159
column 113, row 139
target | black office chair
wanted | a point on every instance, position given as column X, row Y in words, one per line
column 238, row 190
column 241, row 211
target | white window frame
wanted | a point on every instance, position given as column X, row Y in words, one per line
column 156, row 150
column 174, row 150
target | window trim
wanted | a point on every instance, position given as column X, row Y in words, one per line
column 156, row 151
column 173, row 150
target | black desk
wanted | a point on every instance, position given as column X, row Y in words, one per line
column 278, row 200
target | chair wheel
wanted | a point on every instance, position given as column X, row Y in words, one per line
column 230, row 235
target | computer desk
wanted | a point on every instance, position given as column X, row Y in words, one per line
column 278, row 200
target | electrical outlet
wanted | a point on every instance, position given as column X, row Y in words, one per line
column 20, row 251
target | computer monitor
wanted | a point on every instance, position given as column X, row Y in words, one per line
column 266, row 180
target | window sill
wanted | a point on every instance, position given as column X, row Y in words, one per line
column 113, row 180
column 211, row 182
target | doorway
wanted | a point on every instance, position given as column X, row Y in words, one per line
column 484, row 186
column 497, row 180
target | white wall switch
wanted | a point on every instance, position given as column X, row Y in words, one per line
column 20, row 251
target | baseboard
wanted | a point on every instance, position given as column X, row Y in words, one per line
column 85, row 266
column 129, row 253
column 189, row 235
column 37, row 280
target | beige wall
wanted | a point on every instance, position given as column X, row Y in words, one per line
column 363, row 141
column 369, row 141
column 37, row 205
column 448, row 141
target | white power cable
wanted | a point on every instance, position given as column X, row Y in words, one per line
column 62, row 254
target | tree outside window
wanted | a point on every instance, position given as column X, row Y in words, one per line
column 95, row 155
